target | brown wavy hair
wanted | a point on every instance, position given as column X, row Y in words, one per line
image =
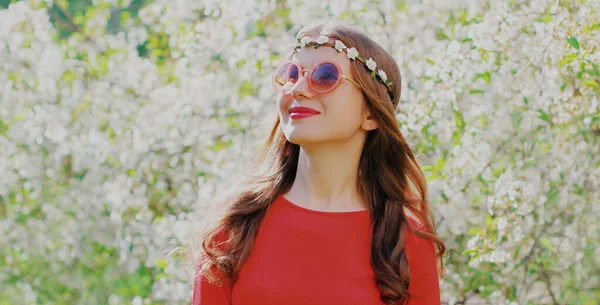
column 390, row 181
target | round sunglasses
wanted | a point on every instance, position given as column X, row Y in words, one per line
column 322, row 77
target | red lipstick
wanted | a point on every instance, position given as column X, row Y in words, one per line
column 302, row 112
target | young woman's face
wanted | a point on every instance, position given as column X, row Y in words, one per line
column 342, row 112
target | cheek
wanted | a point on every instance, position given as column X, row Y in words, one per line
column 346, row 108
column 283, row 102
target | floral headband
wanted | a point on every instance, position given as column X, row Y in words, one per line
column 352, row 53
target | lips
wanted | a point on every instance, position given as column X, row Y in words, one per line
column 302, row 110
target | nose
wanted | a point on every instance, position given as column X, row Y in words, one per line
column 301, row 87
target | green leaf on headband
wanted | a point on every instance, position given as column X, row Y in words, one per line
column 373, row 74
column 390, row 83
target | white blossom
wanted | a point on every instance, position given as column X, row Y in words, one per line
column 371, row 64
column 340, row 46
column 137, row 301
column 501, row 225
column 472, row 242
column 322, row 39
column 382, row 75
column 352, row 53
column 304, row 41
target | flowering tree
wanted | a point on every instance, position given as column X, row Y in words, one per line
column 120, row 123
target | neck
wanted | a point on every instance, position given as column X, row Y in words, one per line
column 327, row 176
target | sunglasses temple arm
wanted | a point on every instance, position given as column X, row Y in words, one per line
column 351, row 81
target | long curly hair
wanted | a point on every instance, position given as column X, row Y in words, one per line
column 390, row 181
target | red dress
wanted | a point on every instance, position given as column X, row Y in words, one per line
column 309, row 257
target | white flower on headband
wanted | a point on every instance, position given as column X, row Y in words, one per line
column 382, row 75
column 339, row 46
column 352, row 53
column 322, row 39
column 305, row 41
column 371, row 64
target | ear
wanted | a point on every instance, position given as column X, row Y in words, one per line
column 369, row 123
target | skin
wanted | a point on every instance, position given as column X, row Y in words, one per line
column 330, row 142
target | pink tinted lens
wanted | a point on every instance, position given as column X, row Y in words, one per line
column 325, row 77
column 286, row 76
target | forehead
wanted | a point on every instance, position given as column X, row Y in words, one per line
column 307, row 57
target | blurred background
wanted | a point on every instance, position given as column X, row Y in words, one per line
column 121, row 122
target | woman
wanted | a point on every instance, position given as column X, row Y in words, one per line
column 339, row 214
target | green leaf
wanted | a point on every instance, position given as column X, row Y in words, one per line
column 545, row 18
column 470, row 251
column 444, row 196
column 373, row 74
column 432, row 177
column 131, row 172
column 246, row 89
column 476, row 91
column 3, row 128
column 439, row 164
column 567, row 59
column 573, row 42
column 402, row 7
column 485, row 76
column 458, row 120
column 476, row 231
column 161, row 263
column 552, row 193
column 578, row 189
column 63, row 3
column 546, row 242
column 544, row 115
column 590, row 83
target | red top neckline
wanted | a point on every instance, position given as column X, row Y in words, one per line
column 318, row 212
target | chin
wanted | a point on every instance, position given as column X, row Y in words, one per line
column 301, row 138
